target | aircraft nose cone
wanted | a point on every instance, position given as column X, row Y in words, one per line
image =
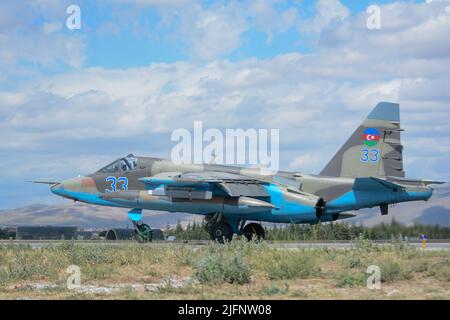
column 75, row 185
column 56, row 188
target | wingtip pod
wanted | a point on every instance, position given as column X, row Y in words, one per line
column 387, row 111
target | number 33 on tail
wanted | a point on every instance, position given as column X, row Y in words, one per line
column 370, row 155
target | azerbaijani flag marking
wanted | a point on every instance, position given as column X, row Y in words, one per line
column 371, row 137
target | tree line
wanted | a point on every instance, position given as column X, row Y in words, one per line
column 324, row 231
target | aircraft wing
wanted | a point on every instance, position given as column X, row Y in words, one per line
column 234, row 185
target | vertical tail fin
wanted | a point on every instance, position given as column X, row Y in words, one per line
column 374, row 149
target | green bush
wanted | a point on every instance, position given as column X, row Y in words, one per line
column 222, row 266
column 90, row 255
column 361, row 243
column 24, row 263
column 184, row 256
column 392, row 271
column 291, row 265
column 273, row 290
column 4, row 277
column 440, row 270
column 348, row 280
column 354, row 261
column 421, row 266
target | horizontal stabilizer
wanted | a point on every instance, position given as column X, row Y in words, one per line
column 375, row 184
column 414, row 182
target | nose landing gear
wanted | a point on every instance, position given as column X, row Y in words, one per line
column 142, row 232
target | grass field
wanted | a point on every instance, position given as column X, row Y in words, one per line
column 238, row 270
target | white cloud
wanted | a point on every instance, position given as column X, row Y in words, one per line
column 300, row 162
column 290, row 92
column 328, row 12
column 155, row 2
column 316, row 99
column 207, row 30
column 51, row 27
column 407, row 30
column 26, row 46
column 12, row 99
column 213, row 32
column 270, row 20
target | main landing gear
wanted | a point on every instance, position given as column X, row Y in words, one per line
column 222, row 230
column 254, row 231
column 142, row 232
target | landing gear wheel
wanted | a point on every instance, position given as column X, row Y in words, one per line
column 221, row 232
column 143, row 232
column 254, row 230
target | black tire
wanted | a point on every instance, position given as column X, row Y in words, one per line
column 254, row 229
column 221, row 232
column 143, row 233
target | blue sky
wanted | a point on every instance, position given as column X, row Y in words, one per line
column 145, row 40
column 73, row 100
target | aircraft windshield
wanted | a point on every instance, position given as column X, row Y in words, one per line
column 124, row 164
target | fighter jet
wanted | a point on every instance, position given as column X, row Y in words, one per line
column 366, row 172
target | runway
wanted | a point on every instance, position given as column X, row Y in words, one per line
column 291, row 245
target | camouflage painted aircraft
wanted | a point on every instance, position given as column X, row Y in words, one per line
column 366, row 172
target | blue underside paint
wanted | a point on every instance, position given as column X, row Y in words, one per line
column 135, row 215
column 286, row 211
column 355, row 200
column 92, row 198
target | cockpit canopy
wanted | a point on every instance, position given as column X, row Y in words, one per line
column 127, row 163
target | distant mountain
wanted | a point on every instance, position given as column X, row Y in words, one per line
column 435, row 215
column 435, row 211
column 87, row 216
